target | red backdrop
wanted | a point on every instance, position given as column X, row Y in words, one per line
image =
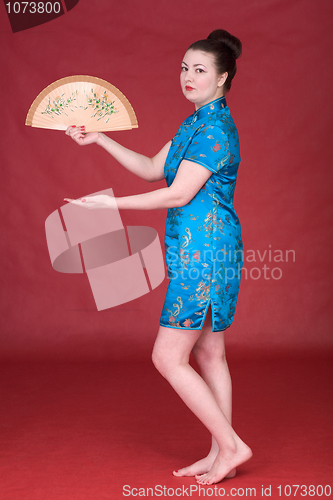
column 281, row 103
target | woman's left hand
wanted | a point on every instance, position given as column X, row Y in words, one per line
column 92, row 202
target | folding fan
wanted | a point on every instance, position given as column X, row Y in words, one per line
column 81, row 100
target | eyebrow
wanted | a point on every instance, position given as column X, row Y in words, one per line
column 194, row 65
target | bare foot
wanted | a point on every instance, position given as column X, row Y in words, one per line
column 225, row 463
column 201, row 467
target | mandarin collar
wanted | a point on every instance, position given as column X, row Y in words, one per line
column 208, row 109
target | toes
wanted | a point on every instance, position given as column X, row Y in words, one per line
column 205, row 479
column 180, row 472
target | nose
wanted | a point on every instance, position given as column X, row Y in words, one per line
column 188, row 77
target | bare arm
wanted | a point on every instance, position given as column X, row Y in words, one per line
column 189, row 180
column 149, row 169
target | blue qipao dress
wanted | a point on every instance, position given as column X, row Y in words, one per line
column 203, row 245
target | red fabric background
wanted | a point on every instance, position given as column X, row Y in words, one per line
column 281, row 104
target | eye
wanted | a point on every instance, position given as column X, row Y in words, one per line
column 199, row 70
column 184, row 68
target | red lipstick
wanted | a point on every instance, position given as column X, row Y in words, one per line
column 187, row 87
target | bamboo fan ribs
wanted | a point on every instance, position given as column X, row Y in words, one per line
column 81, row 100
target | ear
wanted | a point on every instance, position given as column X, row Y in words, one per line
column 222, row 79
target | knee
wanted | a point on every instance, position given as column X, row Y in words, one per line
column 167, row 361
column 160, row 362
column 208, row 357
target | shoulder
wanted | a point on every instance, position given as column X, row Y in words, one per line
column 209, row 130
column 222, row 124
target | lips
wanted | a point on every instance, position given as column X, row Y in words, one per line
column 187, row 87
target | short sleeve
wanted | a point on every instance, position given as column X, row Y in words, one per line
column 209, row 147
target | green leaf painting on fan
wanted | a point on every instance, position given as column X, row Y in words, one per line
column 100, row 104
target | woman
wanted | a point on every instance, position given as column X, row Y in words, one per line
column 203, row 245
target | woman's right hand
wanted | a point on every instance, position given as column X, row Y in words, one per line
column 80, row 137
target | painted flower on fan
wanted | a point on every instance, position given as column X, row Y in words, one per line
column 59, row 104
column 101, row 105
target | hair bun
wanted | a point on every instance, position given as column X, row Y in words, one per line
column 232, row 42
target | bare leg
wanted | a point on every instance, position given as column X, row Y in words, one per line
column 171, row 357
column 209, row 352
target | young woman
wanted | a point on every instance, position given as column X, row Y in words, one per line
column 202, row 242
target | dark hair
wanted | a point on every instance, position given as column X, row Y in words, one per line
column 226, row 48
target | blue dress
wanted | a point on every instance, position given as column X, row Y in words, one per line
column 203, row 245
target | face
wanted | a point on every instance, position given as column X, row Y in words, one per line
column 199, row 79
